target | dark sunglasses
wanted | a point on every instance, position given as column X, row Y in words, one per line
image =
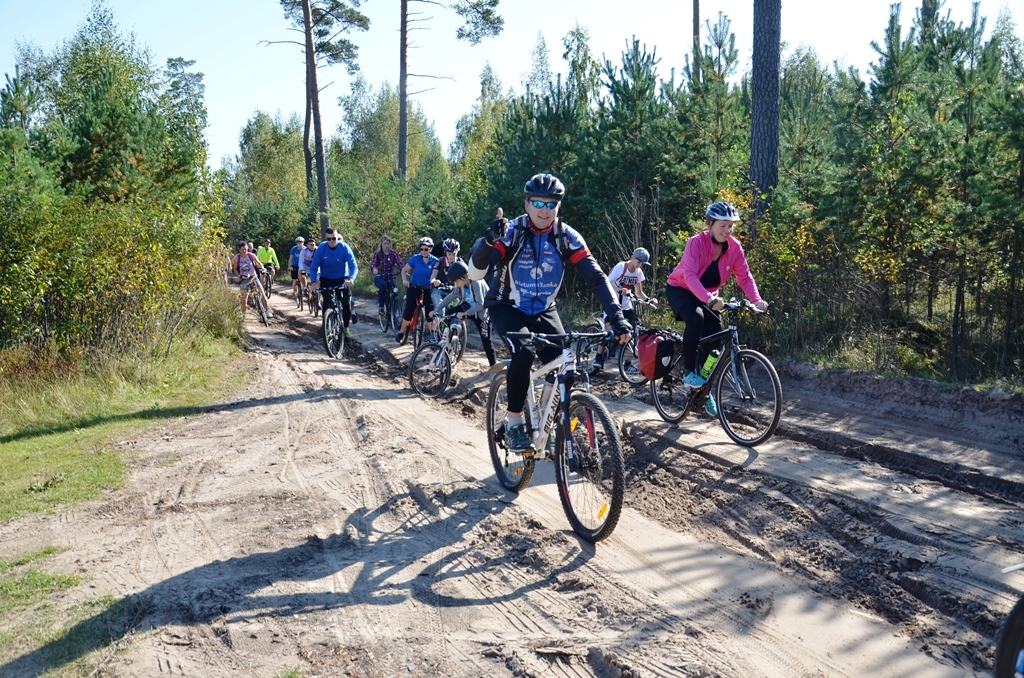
column 330, row 239
column 425, row 249
column 540, row 204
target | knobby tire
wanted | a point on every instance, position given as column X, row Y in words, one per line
column 1010, row 643
column 589, row 471
column 333, row 336
column 430, row 370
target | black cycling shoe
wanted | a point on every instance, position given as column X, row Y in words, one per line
column 400, row 338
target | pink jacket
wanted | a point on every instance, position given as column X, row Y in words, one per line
column 699, row 254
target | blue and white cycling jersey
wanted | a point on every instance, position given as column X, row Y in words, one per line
column 530, row 279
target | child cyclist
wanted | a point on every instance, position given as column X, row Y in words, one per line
column 530, row 254
column 469, row 295
column 626, row 277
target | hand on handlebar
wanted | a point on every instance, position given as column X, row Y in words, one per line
column 716, row 303
column 761, row 306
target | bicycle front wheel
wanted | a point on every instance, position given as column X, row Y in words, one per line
column 671, row 396
column 1010, row 644
column 513, row 470
column 420, row 333
column 261, row 308
column 396, row 312
column 629, row 364
column 334, row 338
column 589, row 469
column 430, row 370
column 749, row 398
column 462, row 340
column 384, row 317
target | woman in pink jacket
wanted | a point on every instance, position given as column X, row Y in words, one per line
column 709, row 259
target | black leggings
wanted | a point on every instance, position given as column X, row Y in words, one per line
column 505, row 319
column 410, row 302
column 344, row 292
column 483, row 327
column 700, row 322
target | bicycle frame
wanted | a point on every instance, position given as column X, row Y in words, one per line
column 542, row 414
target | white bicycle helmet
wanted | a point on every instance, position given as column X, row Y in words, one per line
column 426, row 241
column 722, row 210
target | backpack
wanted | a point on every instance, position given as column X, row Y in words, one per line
column 655, row 351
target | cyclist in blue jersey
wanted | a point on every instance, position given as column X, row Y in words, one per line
column 335, row 266
column 417, row 276
column 530, row 254
column 293, row 262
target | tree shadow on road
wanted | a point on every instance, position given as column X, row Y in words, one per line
column 242, row 588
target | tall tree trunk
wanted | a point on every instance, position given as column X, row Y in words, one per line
column 307, row 152
column 403, row 112
column 764, row 113
column 696, row 40
column 313, row 94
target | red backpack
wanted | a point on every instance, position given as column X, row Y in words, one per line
column 655, row 350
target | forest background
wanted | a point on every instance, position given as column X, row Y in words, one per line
column 892, row 243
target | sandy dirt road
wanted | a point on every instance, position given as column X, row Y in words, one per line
column 325, row 519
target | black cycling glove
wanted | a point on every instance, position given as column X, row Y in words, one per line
column 620, row 327
column 496, row 231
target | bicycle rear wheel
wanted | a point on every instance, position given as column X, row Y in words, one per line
column 1010, row 644
column 629, row 364
column 589, row 470
column 430, row 370
column 586, row 348
column 671, row 396
column 299, row 293
column 749, row 398
column 334, row 338
column 513, row 470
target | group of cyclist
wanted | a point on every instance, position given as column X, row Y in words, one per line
column 525, row 259
column 528, row 257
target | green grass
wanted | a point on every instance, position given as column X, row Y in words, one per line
column 56, row 431
column 22, row 586
column 56, row 439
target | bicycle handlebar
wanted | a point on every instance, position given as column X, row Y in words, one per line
column 561, row 340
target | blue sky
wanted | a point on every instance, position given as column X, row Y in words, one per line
column 243, row 76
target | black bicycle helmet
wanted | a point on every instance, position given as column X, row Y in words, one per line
column 545, row 186
column 457, row 270
column 451, row 245
column 722, row 210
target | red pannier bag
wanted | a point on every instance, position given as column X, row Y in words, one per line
column 655, row 350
